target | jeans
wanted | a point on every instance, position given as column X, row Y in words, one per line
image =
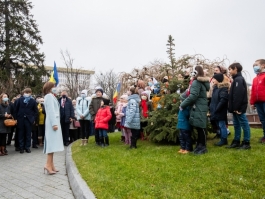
column 223, row 130
column 65, row 131
column 185, row 139
column 240, row 121
column 103, row 133
column 261, row 112
column 24, row 133
column 85, row 128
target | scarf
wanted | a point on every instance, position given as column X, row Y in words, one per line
column 144, row 108
column 26, row 100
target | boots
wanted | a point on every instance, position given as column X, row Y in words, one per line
column 222, row 142
column 82, row 142
column 245, row 145
column 102, row 143
column 133, row 143
column 85, row 142
column 200, row 149
column 122, row 138
column 106, row 141
column 234, row 144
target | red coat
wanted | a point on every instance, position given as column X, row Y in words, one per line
column 102, row 118
column 258, row 89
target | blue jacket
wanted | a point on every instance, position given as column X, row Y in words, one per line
column 82, row 108
column 183, row 119
column 68, row 111
column 28, row 110
column 53, row 139
column 132, row 119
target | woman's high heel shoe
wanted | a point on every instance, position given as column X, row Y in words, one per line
column 48, row 172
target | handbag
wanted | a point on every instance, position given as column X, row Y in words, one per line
column 76, row 123
column 10, row 122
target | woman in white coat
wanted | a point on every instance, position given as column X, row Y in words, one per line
column 53, row 141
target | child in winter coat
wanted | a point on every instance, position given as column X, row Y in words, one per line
column 127, row 131
column 184, row 127
column 219, row 105
column 101, row 122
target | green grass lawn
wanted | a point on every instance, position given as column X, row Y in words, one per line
column 158, row 171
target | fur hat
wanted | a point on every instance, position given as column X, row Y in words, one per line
column 219, row 77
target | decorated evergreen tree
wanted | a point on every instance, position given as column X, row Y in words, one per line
column 20, row 58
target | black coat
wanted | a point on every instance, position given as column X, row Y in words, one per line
column 29, row 110
column 68, row 111
column 219, row 102
column 4, row 109
column 238, row 96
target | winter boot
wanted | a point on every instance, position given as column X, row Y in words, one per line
column 106, row 141
column 85, row 142
column 82, row 142
column 245, row 145
column 234, row 144
column 198, row 146
column 222, row 142
column 102, row 143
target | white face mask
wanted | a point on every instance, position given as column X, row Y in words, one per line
column 54, row 90
column 144, row 97
column 26, row 95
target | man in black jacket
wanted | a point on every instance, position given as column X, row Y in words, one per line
column 237, row 104
column 66, row 115
column 26, row 113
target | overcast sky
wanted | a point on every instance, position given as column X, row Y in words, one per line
column 123, row 34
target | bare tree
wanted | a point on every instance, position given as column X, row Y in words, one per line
column 73, row 84
column 108, row 81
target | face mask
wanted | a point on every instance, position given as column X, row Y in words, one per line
column 256, row 69
column 54, row 90
column 5, row 99
column 64, row 96
column 83, row 95
column 214, row 73
column 150, row 84
column 26, row 95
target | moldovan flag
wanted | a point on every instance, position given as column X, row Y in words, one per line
column 115, row 96
column 54, row 76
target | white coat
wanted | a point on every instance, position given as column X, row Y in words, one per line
column 53, row 139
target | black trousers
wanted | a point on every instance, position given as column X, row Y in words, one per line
column 201, row 136
column 96, row 131
column 135, row 134
column 34, row 135
column 85, row 128
column 41, row 131
column 73, row 134
column 65, row 131
column 10, row 135
column 3, row 139
column 24, row 133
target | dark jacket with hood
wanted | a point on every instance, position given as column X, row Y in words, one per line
column 219, row 102
column 4, row 108
column 238, row 95
column 198, row 102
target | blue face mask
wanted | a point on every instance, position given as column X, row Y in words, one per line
column 256, row 69
column 5, row 99
column 150, row 84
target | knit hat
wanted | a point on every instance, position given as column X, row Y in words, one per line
column 184, row 95
column 100, row 90
column 219, row 77
column 106, row 101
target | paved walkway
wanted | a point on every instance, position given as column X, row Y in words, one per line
column 21, row 176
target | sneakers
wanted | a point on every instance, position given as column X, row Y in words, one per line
column 182, row 151
column 234, row 144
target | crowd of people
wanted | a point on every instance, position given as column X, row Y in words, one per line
column 226, row 91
